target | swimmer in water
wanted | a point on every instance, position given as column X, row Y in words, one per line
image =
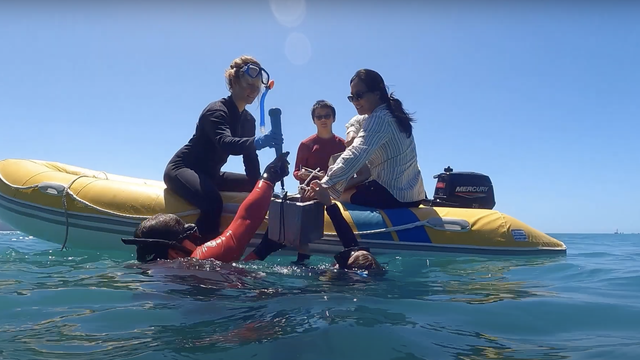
column 167, row 237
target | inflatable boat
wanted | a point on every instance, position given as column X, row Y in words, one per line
column 87, row 209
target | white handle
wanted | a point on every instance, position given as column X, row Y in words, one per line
column 51, row 188
column 448, row 224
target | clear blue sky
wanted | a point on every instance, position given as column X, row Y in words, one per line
column 543, row 98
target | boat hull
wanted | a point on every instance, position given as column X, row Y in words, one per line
column 100, row 208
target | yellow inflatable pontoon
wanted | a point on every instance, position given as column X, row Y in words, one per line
column 93, row 210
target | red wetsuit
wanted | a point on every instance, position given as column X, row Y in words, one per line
column 232, row 243
column 314, row 152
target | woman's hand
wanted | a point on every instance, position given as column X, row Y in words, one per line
column 317, row 191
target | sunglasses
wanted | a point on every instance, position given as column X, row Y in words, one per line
column 323, row 116
column 357, row 96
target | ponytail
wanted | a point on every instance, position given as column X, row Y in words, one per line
column 403, row 119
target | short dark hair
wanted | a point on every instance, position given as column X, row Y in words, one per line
column 320, row 104
column 160, row 226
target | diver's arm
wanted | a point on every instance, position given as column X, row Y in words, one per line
column 232, row 243
column 343, row 229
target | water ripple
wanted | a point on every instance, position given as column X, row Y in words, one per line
column 82, row 305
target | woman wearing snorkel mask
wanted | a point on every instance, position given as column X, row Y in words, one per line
column 225, row 128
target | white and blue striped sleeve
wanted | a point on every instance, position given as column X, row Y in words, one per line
column 355, row 124
column 375, row 131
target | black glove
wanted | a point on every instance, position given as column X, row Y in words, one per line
column 267, row 246
column 301, row 259
column 277, row 170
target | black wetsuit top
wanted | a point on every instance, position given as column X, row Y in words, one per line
column 221, row 131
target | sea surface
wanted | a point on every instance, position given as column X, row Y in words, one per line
column 77, row 304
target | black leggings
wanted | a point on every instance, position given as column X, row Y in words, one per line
column 372, row 194
column 203, row 192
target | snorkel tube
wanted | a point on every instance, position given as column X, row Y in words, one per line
column 276, row 121
column 267, row 87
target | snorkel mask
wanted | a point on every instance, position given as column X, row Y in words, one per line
column 150, row 249
column 254, row 71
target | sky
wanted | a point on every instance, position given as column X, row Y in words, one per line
column 544, row 97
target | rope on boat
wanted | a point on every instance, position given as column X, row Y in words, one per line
column 463, row 227
column 53, row 189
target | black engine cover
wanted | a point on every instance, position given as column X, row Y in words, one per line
column 463, row 190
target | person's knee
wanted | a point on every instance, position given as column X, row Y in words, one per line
column 169, row 178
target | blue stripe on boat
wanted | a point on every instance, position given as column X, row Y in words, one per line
column 365, row 218
column 405, row 216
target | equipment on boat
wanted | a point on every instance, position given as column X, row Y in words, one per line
column 293, row 221
column 470, row 190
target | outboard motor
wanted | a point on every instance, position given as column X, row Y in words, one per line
column 463, row 190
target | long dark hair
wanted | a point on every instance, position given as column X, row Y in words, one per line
column 374, row 82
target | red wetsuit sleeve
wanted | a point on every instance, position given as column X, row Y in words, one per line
column 301, row 160
column 232, row 243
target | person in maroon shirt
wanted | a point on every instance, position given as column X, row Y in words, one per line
column 315, row 151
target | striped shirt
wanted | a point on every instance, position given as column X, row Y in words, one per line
column 355, row 124
column 390, row 155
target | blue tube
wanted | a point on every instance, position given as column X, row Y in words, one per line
column 264, row 95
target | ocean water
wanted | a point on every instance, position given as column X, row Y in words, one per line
column 83, row 305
